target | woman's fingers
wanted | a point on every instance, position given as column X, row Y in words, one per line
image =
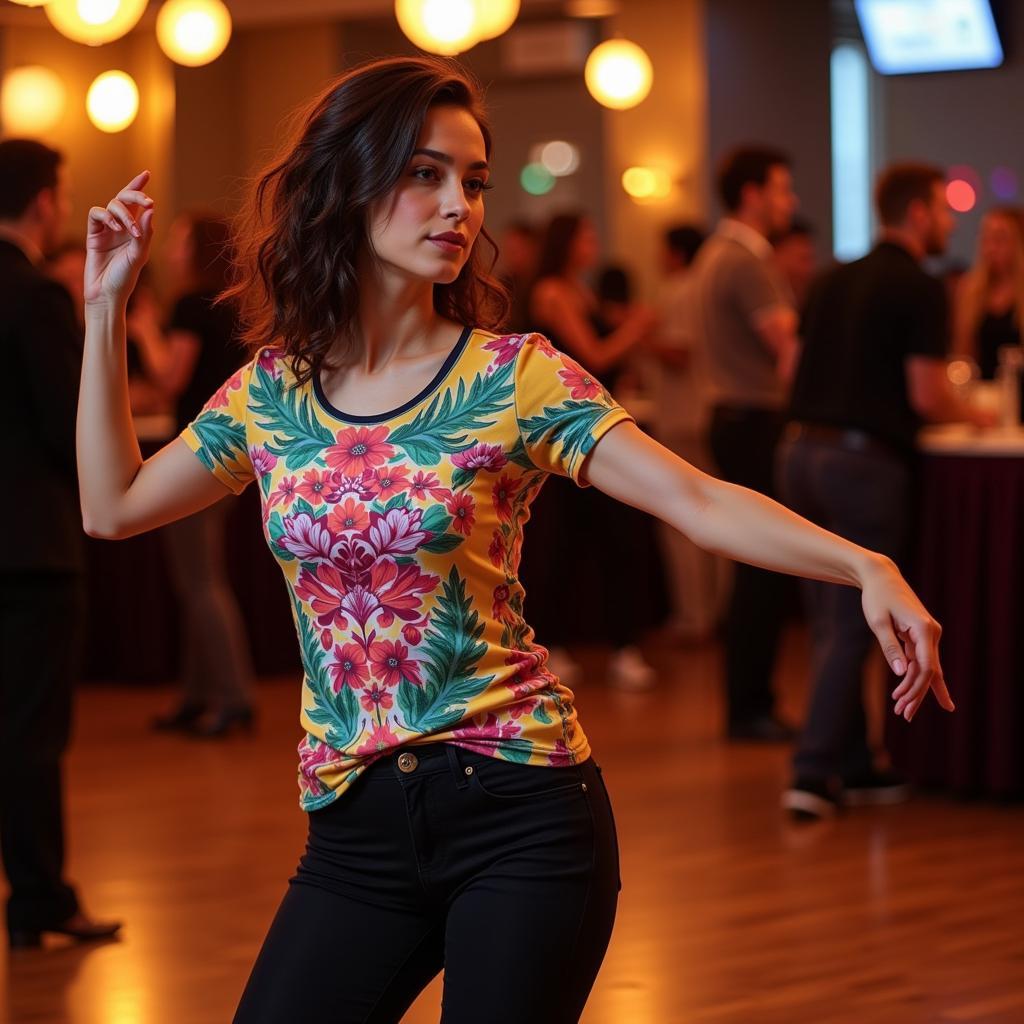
column 941, row 692
column 121, row 212
column 131, row 195
column 99, row 218
column 891, row 647
column 138, row 181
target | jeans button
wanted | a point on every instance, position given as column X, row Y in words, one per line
column 407, row 762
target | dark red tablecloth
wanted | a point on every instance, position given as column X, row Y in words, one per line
column 970, row 574
column 132, row 622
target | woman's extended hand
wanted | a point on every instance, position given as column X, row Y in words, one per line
column 908, row 635
column 117, row 243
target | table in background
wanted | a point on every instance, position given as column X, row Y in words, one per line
column 971, row 577
column 132, row 622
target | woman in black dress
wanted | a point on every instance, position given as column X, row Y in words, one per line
column 608, row 549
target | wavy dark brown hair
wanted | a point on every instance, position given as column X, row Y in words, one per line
column 305, row 224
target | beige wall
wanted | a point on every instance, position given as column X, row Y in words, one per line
column 667, row 130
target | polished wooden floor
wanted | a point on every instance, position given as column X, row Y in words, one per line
column 729, row 914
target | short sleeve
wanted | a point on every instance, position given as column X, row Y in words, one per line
column 218, row 434
column 756, row 288
column 561, row 409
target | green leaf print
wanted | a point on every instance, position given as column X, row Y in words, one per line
column 436, row 519
column 444, row 427
column 516, row 749
column 519, row 455
column 298, row 435
column 453, row 646
column 338, row 711
column 572, row 423
column 275, row 527
column 223, row 439
column 442, row 543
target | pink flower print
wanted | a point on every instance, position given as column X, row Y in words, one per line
column 305, row 537
column 522, row 707
column 481, row 456
column 463, row 511
column 326, row 639
column 503, row 494
column 399, row 590
column 324, row 591
column 315, row 754
column 561, row 757
column 486, row 733
column 268, row 360
column 497, row 550
column 348, row 667
column 222, row 396
column 424, row 484
column 284, row 493
column 349, row 515
column 358, row 449
column 262, row 461
column 391, row 663
column 314, row 485
column 391, row 480
column 381, row 739
column 360, row 603
column 374, row 697
column 506, row 346
column 397, row 532
column 411, row 634
column 580, row 383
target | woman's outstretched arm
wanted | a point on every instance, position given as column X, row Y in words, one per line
column 121, row 494
column 746, row 526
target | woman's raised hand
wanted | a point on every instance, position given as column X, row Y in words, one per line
column 117, row 243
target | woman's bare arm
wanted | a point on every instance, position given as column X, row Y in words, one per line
column 121, row 494
column 745, row 525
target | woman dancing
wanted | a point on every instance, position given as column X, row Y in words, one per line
column 457, row 818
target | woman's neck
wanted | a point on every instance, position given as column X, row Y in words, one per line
column 396, row 319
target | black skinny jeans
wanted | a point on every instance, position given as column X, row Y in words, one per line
column 506, row 876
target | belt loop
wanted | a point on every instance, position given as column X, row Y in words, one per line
column 461, row 780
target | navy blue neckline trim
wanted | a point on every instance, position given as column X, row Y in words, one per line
column 321, row 397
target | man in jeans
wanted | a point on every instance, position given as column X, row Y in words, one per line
column 871, row 372
column 746, row 326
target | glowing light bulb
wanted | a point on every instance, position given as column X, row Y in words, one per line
column 193, row 32
column 112, row 101
column 94, row 22
column 618, row 74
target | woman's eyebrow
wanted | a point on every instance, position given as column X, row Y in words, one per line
column 436, row 154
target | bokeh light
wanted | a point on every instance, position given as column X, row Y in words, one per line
column 447, row 27
column 559, row 157
column 193, row 32
column 112, row 101
column 94, row 22
column 1004, row 183
column 618, row 74
column 32, row 100
column 536, row 179
column 961, row 195
column 30, row 3
column 493, row 17
column 645, row 183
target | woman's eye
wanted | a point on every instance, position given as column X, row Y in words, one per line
column 478, row 185
column 425, row 174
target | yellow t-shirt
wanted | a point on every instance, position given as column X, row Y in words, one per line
column 399, row 537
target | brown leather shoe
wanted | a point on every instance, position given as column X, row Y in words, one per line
column 79, row 927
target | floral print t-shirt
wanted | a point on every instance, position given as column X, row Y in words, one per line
column 399, row 537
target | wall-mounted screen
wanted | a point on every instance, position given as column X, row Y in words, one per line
column 907, row 36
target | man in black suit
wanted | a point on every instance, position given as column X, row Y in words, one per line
column 42, row 558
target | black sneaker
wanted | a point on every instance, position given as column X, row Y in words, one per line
column 876, row 789
column 766, row 729
column 811, row 800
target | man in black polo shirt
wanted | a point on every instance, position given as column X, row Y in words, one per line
column 872, row 371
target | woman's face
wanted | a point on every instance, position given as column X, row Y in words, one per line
column 998, row 243
column 426, row 226
column 586, row 247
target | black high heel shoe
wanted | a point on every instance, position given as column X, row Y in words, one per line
column 182, row 719
column 79, row 927
column 225, row 722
